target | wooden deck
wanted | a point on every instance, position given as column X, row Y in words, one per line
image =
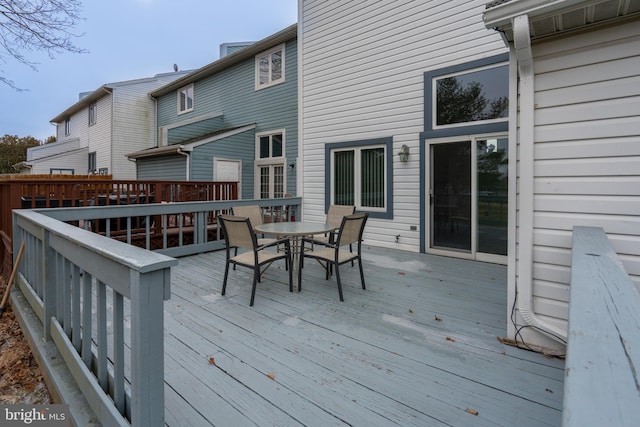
column 418, row 347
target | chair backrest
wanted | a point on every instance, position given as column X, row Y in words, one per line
column 352, row 228
column 238, row 231
column 253, row 212
column 337, row 212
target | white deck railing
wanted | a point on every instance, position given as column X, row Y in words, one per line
column 101, row 300
column 602, row 382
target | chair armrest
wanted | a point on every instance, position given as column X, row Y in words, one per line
column 285, row 242
column 317, row 242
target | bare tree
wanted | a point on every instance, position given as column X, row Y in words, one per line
column 36, row 25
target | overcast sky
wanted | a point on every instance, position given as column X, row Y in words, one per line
column 131, row 39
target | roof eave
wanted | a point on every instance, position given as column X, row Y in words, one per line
column 250, row 51
column 83, row 103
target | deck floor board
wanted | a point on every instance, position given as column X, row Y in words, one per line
column 417, row 347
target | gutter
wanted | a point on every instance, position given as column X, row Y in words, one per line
column 524, row 57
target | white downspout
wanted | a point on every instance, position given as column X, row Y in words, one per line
column 186, row 154
column 522, row 44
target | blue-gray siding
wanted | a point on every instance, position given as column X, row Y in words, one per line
column 239, row 146
column 165, row 167
column 233, row 93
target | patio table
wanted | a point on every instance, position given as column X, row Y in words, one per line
column 294, row 231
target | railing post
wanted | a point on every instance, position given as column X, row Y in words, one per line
column 147, row 347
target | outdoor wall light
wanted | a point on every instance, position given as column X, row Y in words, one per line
column 404, row 153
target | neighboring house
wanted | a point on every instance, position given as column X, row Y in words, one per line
column 94, row 134
column 234, row 119
column 409, row 111
column 54, row 158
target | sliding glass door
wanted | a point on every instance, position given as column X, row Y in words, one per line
column 468, row 196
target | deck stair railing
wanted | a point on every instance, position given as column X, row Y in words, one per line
column 100, row 301
column 602, row 381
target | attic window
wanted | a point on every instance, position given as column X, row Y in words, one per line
column 93, row 112
column 185, row 99
column 270, row 67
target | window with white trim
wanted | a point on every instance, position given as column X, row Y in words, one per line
column 92, row 162
column 270, row 161
column 270, row 67
column 358, row 177
column 185, row 99
column 67, row 127
column 93, row 114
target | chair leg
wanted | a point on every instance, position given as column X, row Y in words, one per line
column 226, row 273
column 290, row 267
column 339, row 283
column 361, row 272
column 351, row 250
column 301, row 256
column 235, row 253
column 256, row 273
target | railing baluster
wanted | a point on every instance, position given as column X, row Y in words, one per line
column 87, row 331
column 66, row 296
column 118, row 352
column 75, row 308
column 102, row 372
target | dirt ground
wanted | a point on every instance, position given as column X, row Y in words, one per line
column 20, row 378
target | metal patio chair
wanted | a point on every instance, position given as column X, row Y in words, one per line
column 331, row 255
column 238, row 233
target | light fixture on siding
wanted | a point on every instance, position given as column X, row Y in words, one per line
column 404, row 153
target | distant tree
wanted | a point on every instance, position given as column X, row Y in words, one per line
column 460, row 104
column 36, row 25
column 13, row 150
column 50, row 139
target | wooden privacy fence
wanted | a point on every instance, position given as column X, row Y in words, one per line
column 59, row 191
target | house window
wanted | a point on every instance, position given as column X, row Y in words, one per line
column 467, row 98
column 360, row 175
column 93, row 114
column 270, row 67
column 91, row 168
column 67, row 127
column 270, row 160
column 185, row 99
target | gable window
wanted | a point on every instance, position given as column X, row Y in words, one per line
column 185, row 99
column 470, row 97
column 270, row 170
column 360, row 175
column 270, row 67
column 67, row 127
column 91, row 167
column 93, row 114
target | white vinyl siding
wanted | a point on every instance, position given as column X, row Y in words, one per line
column 98, row 136
column 362, row 78
column 587, row 156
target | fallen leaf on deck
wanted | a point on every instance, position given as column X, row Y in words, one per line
column 437, row 319
column 212, row 361
column 271, row 376
column 471, row 411
column 410, row 311
column 450, row 339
